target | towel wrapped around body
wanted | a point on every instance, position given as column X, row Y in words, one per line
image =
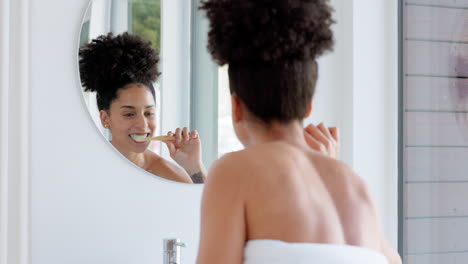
column 265, row 251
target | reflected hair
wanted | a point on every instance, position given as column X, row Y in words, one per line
column 109, row 63
column 271, row 48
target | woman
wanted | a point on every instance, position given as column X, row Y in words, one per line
column 121, row 70
column 279, row 200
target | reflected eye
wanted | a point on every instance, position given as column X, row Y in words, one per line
column 149, row 114
column 129, row 115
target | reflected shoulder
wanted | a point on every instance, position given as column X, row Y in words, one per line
column 166, row 169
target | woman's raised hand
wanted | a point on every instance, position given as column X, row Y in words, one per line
column 185, row 149
column 323, row 139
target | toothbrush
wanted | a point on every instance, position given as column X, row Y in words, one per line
column 160, row 138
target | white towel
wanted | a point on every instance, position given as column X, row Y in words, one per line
column 265, row 251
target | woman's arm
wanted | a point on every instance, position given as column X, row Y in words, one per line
column 385, row 247
column 390, row 252
column 223, row 228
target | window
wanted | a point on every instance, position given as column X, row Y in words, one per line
column 145, row 20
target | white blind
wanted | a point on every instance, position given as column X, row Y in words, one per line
column 435, row 134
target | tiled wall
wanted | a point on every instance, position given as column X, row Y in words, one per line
column 435, row 151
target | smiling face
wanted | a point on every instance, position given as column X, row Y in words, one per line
column 131, row 114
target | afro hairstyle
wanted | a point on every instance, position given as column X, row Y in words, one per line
column 268, row 30
column 270, row 47
column 109, row 63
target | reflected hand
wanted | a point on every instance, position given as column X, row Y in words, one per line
column 185, row 149
column 323, row 139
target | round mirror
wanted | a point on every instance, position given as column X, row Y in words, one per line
column 120, row 65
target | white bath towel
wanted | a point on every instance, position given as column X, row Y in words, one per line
column 264, row 251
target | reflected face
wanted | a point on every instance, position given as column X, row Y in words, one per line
column 132, row 114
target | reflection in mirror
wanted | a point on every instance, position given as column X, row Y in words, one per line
column 119, row 55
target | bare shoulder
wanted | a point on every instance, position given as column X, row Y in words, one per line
column 226, row 171
column 237, row 166
column 354, row 201
column 250, row 168
column 223, row 186
column 338, row 175
column 361, row 203
column 232, row 174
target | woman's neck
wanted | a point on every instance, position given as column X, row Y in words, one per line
column 138, row 159
column 292, row 133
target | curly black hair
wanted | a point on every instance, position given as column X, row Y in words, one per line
column 109, row 63
column 271, row 47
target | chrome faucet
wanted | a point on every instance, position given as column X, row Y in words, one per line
column 172, row 250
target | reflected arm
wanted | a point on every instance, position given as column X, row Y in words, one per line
column 198, row 177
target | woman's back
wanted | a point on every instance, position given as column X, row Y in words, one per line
column 281, row 192
column 298, row 195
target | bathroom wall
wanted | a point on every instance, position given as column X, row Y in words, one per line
column 375, row 104
column 67, row 197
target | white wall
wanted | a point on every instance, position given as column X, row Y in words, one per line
column 15, row 128
column 376, row 104
column 73, row 199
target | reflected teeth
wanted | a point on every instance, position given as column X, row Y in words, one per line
column 139, row 138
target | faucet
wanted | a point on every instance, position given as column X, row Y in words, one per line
column 172, row 250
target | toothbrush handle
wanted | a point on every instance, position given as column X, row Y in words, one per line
column 161, row 138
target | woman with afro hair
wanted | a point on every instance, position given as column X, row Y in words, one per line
column 281, row 200
column 121, row 70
